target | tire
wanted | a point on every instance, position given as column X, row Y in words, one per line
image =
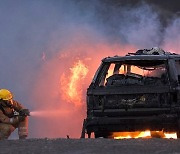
column 101, row 134
column 178, row 133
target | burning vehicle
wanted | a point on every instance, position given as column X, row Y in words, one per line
column 135, row 93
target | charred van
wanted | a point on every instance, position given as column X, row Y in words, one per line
column 137, row 92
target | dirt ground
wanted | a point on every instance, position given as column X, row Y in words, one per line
column 90, row 146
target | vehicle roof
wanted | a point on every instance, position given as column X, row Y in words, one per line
column 141, row 57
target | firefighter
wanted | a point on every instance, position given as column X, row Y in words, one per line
column 12, row 115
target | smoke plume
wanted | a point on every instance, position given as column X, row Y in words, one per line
column 41, row 41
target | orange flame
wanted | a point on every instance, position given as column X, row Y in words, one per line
column 136, row 134
column 170, row 135
column 73, row 90
column 144, row 134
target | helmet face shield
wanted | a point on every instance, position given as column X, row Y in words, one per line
column 9, row 102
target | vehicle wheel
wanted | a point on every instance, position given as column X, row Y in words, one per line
column 178, row 131
column 178, row 134
column 89, row 135
column 100, row 135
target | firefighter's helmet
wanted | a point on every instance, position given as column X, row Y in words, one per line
column 5, row 94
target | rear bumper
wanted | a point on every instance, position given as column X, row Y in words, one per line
column 166, row 122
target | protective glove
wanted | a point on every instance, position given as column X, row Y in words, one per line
column 24, row 112
column 17, row 119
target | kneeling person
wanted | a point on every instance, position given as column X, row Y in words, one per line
column 12, row 115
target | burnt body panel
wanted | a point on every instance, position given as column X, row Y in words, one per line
column 129, row 90
column 134, row 123
column 136, row 92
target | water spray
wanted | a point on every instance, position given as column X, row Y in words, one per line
column 48, row 113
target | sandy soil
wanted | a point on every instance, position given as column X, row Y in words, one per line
column 87, row 146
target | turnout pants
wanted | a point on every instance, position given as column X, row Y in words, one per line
column 7, row 129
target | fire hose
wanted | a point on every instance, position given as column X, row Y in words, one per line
column 22, row 112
